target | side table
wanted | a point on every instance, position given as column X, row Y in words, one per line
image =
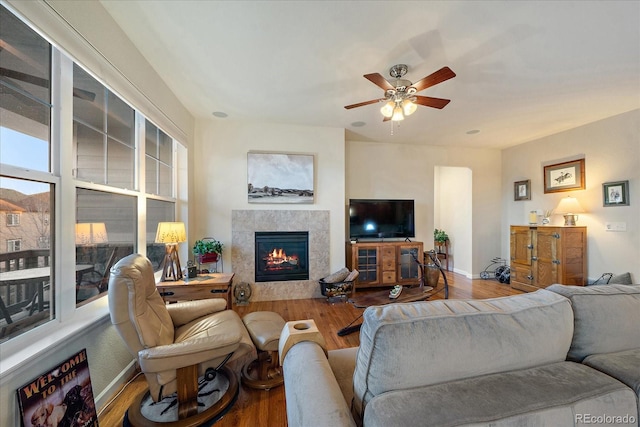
column 211, row 285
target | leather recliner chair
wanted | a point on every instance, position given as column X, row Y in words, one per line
column 175, row 344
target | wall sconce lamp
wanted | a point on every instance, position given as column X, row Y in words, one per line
column 171, row 233
column 569, row 207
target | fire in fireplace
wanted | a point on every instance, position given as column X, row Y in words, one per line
column 282, row 256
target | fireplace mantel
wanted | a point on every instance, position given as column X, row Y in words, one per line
column 244, row 225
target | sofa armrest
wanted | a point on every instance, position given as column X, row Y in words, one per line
column 185, row 311
column 313, row 395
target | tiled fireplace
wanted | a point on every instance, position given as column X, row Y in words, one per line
column 246, row 225
column 281, row 256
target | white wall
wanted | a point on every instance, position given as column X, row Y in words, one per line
column 378, row 170
column 453, row 212
column 219, row 169
column 611, row 149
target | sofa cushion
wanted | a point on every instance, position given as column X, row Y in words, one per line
column 621, row 279
column 623, row 366
column 398, row 342
column 553, row 395
column 606, row 318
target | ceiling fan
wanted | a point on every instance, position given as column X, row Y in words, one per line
column 400, row 95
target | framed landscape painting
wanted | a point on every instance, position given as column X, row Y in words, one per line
column 567, row 176
column 280, row 178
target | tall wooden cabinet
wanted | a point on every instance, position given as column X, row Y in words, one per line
column 385, row 263
column 544, row 255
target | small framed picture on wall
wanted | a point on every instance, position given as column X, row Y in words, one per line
column 615, row 193
column 522, row 190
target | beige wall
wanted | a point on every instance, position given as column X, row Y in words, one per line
column 219, row 172
column 611, row 149
column 376, row 170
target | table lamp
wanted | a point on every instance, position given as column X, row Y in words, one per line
column 171, row 233
column 88, row 236
column 91, row 233
column 569, row 207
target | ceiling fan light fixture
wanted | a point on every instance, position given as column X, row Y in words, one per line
column 387, row 109
column 397, row 114
column 408, row 107
column 400, row 97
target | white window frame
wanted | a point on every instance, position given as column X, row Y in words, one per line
column 70, row 320
column 12, row 243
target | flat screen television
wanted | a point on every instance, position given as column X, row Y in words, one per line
column 381, row 218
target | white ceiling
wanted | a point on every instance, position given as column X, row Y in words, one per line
column 525, row 69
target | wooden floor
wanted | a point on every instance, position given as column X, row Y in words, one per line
column 258, row 408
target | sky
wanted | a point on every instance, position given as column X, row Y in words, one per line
column 280, row 170
column 23, row 151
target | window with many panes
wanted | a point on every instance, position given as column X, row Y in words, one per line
column 158, row 161
column 103, row 131
column 25, row 172
column 123, row 170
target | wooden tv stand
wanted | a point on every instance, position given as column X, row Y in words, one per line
column 385, row 263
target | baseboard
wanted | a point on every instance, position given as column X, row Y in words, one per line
column 112, row 388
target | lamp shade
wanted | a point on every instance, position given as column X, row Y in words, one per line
column 569, row 205
column 408, row 107
column 387, row 109
column 397, row 114
column 171, row 232
column 91, row 233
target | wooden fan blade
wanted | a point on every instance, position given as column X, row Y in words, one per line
column 84, row 94
column 39, row 81
column 439, row 76
column 360, row 104
column 431, row 102
column 27, row 78
column 386, row 119
column 379, row 81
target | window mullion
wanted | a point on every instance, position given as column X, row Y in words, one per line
column 63, row 166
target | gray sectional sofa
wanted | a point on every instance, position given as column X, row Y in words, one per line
column 564, row 356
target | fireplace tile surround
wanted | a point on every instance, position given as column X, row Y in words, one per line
column 244, row 224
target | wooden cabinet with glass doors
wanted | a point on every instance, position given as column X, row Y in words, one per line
column 385, row 263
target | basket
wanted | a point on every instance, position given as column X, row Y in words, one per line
column 340, row 288
column 330, row 290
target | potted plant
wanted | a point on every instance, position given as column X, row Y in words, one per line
column 440, row 237
column 207, row 250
